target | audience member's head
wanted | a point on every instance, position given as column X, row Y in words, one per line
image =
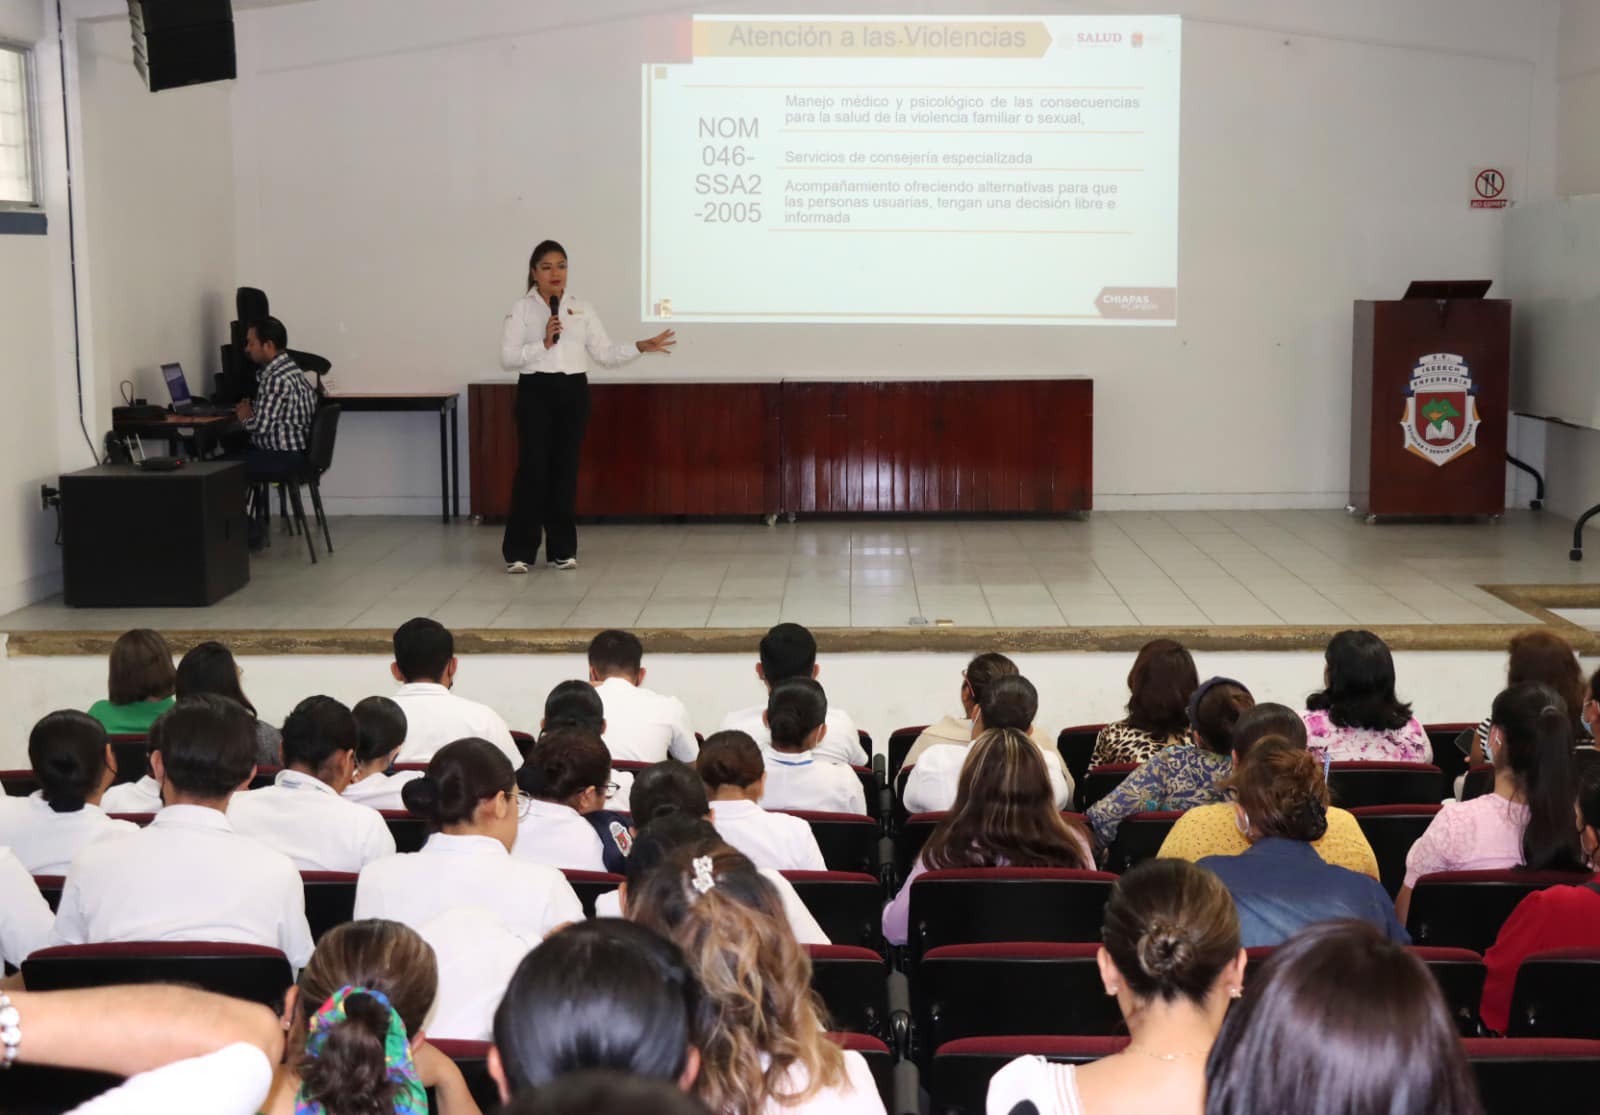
column 202, row 749
column 265, row 338
column 797, row 714
column 1258, row 722
column 424, row 651
column 1340, row 1021
column 141, row 668
column 382, row 723
column 1530, row 739
column 1171, row 935
column 320, row 737
column 574, row 704
column 980, row 673
column 660, row 840
column 761, row 1020
column 1358, row 684
column 603, row 994
column 1010, row 702
column 470, row 789
column 1546, row 657
column 353, row 1014
column 605, row 1093
column 787, row 651
column 1281, row 792
column 1005, row 812
column 1159, row 684
column 209, row 667
column 1589, row 814
column 570, row 766
column 731, row 766
column 71, row 759
column 1214, row 709
column 665, row 788
column 616, row 654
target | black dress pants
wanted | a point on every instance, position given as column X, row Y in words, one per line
column 552, row 414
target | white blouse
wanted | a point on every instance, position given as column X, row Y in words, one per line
column 556, row 835
column 856, row 1094
column 25, row 917
column 46, row 842
column 1052, row 1089
column 809, row 784
column 931, row 786
column 143, row 796
column 774, row 840
column 381, row 791
column 582, row 339
column 305, row 818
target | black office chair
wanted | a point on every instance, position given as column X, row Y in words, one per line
column 319, row 458
column 312, row 365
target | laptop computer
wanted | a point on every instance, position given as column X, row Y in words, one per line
column 182, row 401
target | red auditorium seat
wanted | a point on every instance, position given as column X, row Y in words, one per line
column 632, row 766
column 590, row 885
column 265, row 776
column 330, row 899
column 959, row 1081
column 472, row 1058
column 420, row 768
column 410, row 833
column 140, row 819
column 1097, row 782
column 524, row 741
column 1458, row 972
column 878, row 1057
column 848, row 905
column 1391, row 830
column 1478, row 782
column 1356, row 784
column 1076, row 745
column 1465, row 909
column 901, row 741
column 1517, row 1076
column 40, row 1090
column 50, row 886
column 994, row 904
column 132, row 753
column 849, row 841
column 244, row 971
column 18, row 783
column 1556, row 995
column 853, row 983
column 1448, row 757
column 1139, row 838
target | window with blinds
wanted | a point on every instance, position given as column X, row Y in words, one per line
column 19, row 179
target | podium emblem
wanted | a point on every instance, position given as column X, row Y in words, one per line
column 1441, row 419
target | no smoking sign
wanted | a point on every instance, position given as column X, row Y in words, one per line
column 1491, row 188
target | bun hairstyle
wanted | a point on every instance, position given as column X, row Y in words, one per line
column 382, row 723
column 460, row 776
column 1538, row 751
column 666, row 788
column 1171, row 928
column 1283, row 792
column 563, row 764
column 1159, row 684
column 607, row 994
column 1258, row 722
column 796, row 707
column 730, row 759
column 1010, row 702
column 67, row 751
column 574, row 704
column 1214, row 709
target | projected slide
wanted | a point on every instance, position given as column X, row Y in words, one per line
column 1005, row 170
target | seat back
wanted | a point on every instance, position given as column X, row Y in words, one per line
column 848, row 905
column 140, row 819
column 590, row 885
column 959, row 1082
column 913, row 833
column 871, row 789
column 251, row 972
column 524, row 741
column 265, row 776
column 319, row 443
column 18, row 783
column 41, row 1090
column 1139, row 838
column 472, row 1058
column 1352, row 785
column 50, row 887
column 1479, row 781
column 1076, row 745
column 1555, row 995
column 901, row 740
column 879, row 1059
column 1097, row 782
column 853, row 983
column 1447, row 754
column 1519, row 1075
column 1465, row 909
column 330, row 899
column 132, row 753
column 992, row 904
column 849, row 841
column 410, row 833
column 1391, row 830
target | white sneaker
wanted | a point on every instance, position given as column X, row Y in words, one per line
column 516, row 567
column 565, row 563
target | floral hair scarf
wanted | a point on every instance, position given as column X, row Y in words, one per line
column 410, row 1098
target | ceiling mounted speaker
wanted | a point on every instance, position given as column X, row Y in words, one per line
column 182, row 42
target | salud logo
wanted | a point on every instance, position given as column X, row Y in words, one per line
column 1441, row 419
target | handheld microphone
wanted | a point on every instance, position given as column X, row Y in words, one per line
column 555, row 312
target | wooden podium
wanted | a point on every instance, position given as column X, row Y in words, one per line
column 1429, row 404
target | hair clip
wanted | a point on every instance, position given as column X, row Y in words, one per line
column 703, row 879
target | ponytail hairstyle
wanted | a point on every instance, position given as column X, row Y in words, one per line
column 760, row 1017
column 796, row 707
column 1214, row 708
column 460, row 776
column 67, row 751
column 730, row 759
column 542, row 249
column 1005, row 812
column 1283, row 792
column 1533, row 719
column 563, row 764
column 1171, row 929
column 348, row 1065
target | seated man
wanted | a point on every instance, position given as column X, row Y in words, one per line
column 302, row 813
column 980, row 673
column 189, row 876
column 425, row 664
column 641, row 725
column 790, row 651
column 279, row 423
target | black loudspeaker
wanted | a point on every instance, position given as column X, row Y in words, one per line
column 182, row 42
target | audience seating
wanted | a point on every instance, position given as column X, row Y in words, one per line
column 1076, row 745
column 40, row 1090
column 330, row 899
column 1458, row 972
column 132, row 754
column 1556, row 995
column 50, row 886
column 914, row 831
column 878, row 1058
column 847, row 904
column 961, row 1069
column 524, row 741
column 991, row 990
column 632, row 766
column 1447, row 755
column 472, row 1058
column 1521, row 1075
column 410, row 833
column 853, row 983
column 849, row 841
column 590, row 885
column 265, row 776
column 1465, row 909
column 140, row 819
column 18, row 783
column 1097, row 782
column 901, row 740
column 993, row 904
column 251, row 972
column 1391, row 830
column 872, row 790
column 1479, row 781
column 1352, row 785
column 1139, row 838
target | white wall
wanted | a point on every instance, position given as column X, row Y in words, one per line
column 1326, row 157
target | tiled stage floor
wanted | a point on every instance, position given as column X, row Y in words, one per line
column 1156, row 569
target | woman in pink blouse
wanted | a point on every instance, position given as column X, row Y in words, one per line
column 1356, row 715
column 1529, row 819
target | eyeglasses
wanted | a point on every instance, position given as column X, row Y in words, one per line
column 524, row 803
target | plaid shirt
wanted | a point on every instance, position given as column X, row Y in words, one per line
column 284, row 405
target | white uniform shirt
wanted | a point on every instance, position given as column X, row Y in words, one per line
column 530, row 899
column 46, row 842
column 774, row 840
column 187, row 877
column 644, row 726
column 435, row 716
column 931, row 786
column 582, row 339
column 381, row 791
column 305, row 818
column 842, row 743
column 477, row 956
column 804, row 782
column 856, row 1094
column 232, row 1081
column 806, row 929
column 556, row 835
column 25, row 917
column 143, row 796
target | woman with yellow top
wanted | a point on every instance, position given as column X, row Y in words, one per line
column 1213, row 830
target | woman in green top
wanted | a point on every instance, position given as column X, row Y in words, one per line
column 141, row 683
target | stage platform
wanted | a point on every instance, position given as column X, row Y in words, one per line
column 1222, row 579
